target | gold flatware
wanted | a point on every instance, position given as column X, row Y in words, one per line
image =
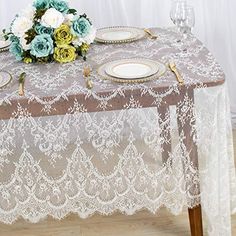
column 22, row 83
column 86, row 74
column 89, row 84
column 151, row 34
column 87, row 71
column 173, row 68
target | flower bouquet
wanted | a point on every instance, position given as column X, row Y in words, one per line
column 50, row 31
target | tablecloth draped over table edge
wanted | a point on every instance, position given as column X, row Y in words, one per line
column 66, row 149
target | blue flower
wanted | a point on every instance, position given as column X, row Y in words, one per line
column 41, row 4
column 81, row 27
column 59, row 5
column 17, row 50
column 42, row 46
column 40, row 29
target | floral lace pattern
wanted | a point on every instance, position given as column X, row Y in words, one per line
column 66, row 149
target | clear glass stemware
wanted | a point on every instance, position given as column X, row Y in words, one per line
column 178, row 13
column 183, row 16
column 190, row 19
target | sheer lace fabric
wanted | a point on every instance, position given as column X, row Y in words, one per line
column 66, row 149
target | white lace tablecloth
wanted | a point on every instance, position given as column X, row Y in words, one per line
column 66, row 149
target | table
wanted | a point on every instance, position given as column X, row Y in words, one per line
column 66, row 149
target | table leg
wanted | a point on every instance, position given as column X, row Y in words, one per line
column 195, row 220
column 185, row 128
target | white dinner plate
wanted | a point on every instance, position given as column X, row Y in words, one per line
column 5, row 78
column 119, row 34
column 136, row 70
column 132, row 68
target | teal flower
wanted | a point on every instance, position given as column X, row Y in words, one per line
column 41, row 4
column 17, row 50
column 14, row 39
column 81, row 27
column 59, row 5
column 40, row 29
column 42, row 46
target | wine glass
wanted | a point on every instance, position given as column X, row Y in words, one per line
column 178, row 13
column 183, row 17
column 190, row 18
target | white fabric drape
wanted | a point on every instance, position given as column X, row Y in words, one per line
column 214, row 24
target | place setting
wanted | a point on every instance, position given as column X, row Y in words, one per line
column 135, row 70
column 132, row 70
column 122, row 34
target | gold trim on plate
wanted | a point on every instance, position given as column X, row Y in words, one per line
column 157, row 75
column 9, row 79
column 132, row 39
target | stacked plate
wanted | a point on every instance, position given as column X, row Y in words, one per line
column 4, row 45
column 119, row 34
column 134, row 70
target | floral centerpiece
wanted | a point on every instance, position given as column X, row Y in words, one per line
column 50, row 31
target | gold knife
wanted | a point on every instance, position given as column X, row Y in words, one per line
column 173, row 68
column 149, row 32
column 22, row 83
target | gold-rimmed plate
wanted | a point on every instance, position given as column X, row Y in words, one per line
column 5, row 78
column 119, row 34
column 4, row 45
column 134, row 70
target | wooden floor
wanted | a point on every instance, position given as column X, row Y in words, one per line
column 141, row 224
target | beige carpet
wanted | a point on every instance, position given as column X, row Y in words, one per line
column 141, row 224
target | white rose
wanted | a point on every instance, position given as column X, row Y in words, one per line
column 88, row 39
column 69, row 18
column 52, row 18
column 21, row 25
column 23, row 43
column 91, row 36
column 28, row 12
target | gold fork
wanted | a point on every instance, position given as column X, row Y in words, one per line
column 173, row 68
column 151, row 34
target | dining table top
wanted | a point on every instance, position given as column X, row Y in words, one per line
column 50, row 89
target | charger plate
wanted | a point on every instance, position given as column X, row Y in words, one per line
column 135, row 70
column 119, row 34
column 5, row 78
column 4, row 45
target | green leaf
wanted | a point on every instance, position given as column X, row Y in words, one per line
column 72, row 11
column 31, row 33
column 39, row 13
